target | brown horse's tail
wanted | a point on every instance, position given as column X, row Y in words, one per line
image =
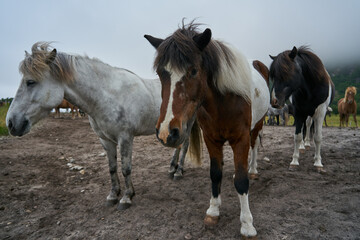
column 195, row 148
column 262, row 69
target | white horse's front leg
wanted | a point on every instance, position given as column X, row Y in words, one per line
column 126, row 143
column 110, row 149
column 253, row 159
column 246, row 219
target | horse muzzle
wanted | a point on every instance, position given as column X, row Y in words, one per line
column 18, row 127
column 171, row 139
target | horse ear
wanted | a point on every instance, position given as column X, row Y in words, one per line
column 154, row 41
column 26, row 54
column 272, row 57
column 51, row 56
column 203, row 39
column 293, row 53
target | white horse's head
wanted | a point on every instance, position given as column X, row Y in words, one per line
column 41, row 88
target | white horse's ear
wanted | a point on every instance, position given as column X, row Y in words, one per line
column 203, row 39
column 154, row 41
column 293, row 53
column 51, row 56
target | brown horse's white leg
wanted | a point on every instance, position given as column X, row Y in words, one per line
column 253, row 173
column 309, row 121
column 72, row 113
column 295, row 158
column 318, row 140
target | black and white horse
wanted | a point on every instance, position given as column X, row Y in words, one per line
column 299, row 73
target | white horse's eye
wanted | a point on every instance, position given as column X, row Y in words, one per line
column 30, row 83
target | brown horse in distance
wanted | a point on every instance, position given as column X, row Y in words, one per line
column 347, row 106
column 66, row 104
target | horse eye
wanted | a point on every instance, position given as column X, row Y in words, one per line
column 30, row 82
column 193, row 72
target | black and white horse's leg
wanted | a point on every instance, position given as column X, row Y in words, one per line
column 319, row 115
column 309, row 122
column 125, row 144
column 298, row 137
column 180, row 169
column 110, row 149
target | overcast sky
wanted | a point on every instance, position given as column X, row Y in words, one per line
column 113, row 30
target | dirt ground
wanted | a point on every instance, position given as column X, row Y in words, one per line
column 41, row 198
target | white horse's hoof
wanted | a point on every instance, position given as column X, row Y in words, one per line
column 254, row 176
column 111, row 202
column 123, row 206
column 248, row 232
column 320, row 170
column 293, row 167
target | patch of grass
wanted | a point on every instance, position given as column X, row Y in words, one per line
column 3, row 112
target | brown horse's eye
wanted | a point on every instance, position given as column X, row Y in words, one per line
column 193, row 72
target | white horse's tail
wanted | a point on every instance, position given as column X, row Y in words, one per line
column 195, row 148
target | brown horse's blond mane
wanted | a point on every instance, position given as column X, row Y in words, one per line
column 348, row 89
column 36, row 64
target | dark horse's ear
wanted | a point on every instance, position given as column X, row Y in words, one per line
column 154, row 41
column 203, row 39
column 51, row 57
column 293, row 53
column 272, row 57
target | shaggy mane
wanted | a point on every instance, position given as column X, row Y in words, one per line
column 37, row 63
column 226, row 67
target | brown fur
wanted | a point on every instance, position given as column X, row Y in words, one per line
column 66, row 104
column 347, row 106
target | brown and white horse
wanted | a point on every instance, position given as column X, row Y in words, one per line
column 212, row 83
column 65, row 104
column 347, row 106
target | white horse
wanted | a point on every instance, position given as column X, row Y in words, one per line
column 120, row 104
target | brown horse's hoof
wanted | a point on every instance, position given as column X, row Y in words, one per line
column 293, row 167
column 211, row 221
column 320, row 170
column 254, row 176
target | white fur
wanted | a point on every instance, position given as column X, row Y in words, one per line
column 174, row 78
column 235, row 78
column 246, row 219
column 214, row 209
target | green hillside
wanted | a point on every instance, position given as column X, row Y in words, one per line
column 343, row 77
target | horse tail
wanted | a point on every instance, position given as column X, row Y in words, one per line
column 262, row 69
column 195, row 148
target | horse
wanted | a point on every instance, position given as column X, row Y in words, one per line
column 120, row 104
column 273, row 113
column 66, row 104
column 212, row 82
column 347, row 106
column 299, row 73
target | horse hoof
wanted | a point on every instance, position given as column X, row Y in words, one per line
column 320, row 170
column 302, row 150
column 112, row 202
column 307, row 148
column 254, row 176
column 178, row 177
column 123, row 206
column 248, row 238
column 211, row 221
column 293, row 168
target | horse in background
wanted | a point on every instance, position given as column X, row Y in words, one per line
column 274, row 115
column 65, row 104
column 347, row 107
column 212, row 83
column 299, row 73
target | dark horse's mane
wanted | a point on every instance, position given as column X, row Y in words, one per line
column 180, row 51
column 311, row 65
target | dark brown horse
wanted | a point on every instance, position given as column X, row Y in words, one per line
column 347, row 106
column 65, row 104
column 211, row 82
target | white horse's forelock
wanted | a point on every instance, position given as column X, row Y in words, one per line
column 235, row 78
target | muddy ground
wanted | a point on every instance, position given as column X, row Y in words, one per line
column 41, row 198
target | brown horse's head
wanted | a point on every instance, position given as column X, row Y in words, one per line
column 350, row 95
column 179, row 65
